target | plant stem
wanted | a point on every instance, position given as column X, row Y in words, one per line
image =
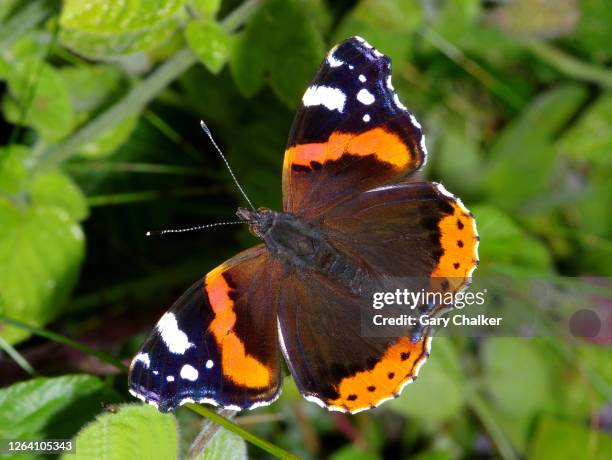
column 129, row 106
column 481, row 409
column 17, row 357
column 137, row 98
column 568, row 64
column 126, row 167
column 66, row 341
column 481, row 74
column 29, row 16
column 201, row 410
column 246, row 435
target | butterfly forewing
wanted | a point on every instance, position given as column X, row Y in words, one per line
column 217, row 344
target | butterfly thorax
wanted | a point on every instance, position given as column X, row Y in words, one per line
column 301, row 244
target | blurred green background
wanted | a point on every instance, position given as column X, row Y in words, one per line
column 101, row 102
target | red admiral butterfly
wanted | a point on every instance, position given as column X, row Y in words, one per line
column 356, row 215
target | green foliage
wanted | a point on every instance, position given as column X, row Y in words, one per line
column 224, row 446
column 101, row 102
column 440, row 377
column 210, row 43
column 100, row 29
column 38, row 98
column 556, row 439
column 503, row 360
column 41, row 247
column 134, row 431
column 50, row 407
column 282, row 43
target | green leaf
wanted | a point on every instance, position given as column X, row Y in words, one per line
column 504, row 360
column 503, row 242
column 41, row 249
column 282, row 43
column 13, row 171
column 90, row 86
column 564, row 440
column 135, row 431
column 387, row 24
column 6, row 8
column 436, row 396
column 593, row 32
column 224, row 445
column 57, row 189
column 110, row 140
column 579, row 141
column 37, row 91
column 57, row 406
column 523, row 153
column 100, row 29
column 207, row 8
column 209, row 42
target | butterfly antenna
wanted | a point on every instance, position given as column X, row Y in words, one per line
column 208, row 133
column 192, row 229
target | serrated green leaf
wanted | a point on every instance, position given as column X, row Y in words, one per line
column 504, row 359
column 209, row 42
column 37, row 91
column 581, row 142
column 135, row 431
column 34, row 409
column 281, row 42
column 436, row 396
column 224, row 445
column 100, row 29
column 41, row 249
column 59, row 190
column 110, row 140
column 565, row 440
column 13, row 171
column 524, row 150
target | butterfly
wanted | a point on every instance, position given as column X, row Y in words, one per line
column 357, row 218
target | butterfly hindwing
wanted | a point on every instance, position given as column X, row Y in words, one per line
column 217, row 344
column 351, row 133
column 431, row 229
column 332, row 363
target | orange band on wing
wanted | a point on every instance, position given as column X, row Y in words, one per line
column 387, row 147
column 398, row 366
column 237, row 365
column 459, row 241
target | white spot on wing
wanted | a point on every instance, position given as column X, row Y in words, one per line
column 365, row 97
column 175, row 339
column 366, row 118
column 170, row 378
column 332, row 61
column 209, row 364
column 189, row 373
column 362, row 78
column 331, row 98
column 142, row 358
